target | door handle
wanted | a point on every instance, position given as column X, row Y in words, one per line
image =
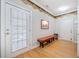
column 7, row 29
column 7, row 33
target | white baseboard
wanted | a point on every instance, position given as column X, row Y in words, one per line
column 23, row 51
column 69, row 40
column 75, row 42
column 34, row 47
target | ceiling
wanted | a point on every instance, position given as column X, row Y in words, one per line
column 57, row 7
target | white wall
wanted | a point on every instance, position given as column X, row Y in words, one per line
column 37, row 31
column 78, row 37
column 62, row 25
column 78, row 30
column 0, row 27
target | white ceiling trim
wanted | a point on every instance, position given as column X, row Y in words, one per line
column 35, row 2
column 41, row 6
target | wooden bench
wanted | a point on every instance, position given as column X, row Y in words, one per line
column 46, row 39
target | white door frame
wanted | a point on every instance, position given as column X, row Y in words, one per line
column 2, row 28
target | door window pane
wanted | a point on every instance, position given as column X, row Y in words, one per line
column 19, row 29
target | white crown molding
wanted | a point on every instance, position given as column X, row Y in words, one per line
column 38, row 4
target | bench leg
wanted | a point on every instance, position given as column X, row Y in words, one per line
column 49, row 41
column 41, row 45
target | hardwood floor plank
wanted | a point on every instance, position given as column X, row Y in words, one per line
column 56, row 49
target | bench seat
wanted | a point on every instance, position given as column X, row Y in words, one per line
column 46, row 39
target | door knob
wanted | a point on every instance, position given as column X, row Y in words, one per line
column 7, row 29
column 7, row 33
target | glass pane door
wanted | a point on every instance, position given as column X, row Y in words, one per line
column 17, row 30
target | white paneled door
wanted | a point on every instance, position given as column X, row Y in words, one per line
column 66, row 31
column 17, row 29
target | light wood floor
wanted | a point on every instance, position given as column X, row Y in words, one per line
column 56, row 49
